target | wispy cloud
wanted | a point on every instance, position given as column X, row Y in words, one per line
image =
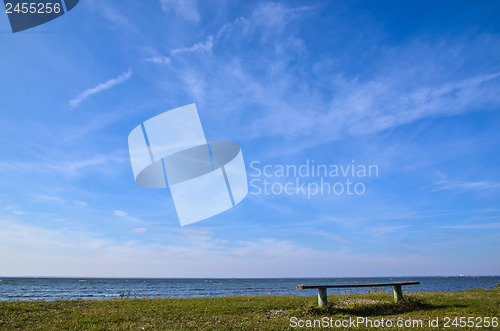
column 101, row 87
column 159, row 59
column 126, row 216
column 192, row 234
column 382, row 231
column 274, row 98
column 205, row 46
column 360, row 108
column 50, row 198
column 464, row 185
column 112, row 13
column 391, row 96
column 472, row 226
column 61, row 252
column 194, row 85
column 378, row 105
column 271, row 14
column 69, row 168
column 187, row 9
column 330, row 236
column 120, row 213
column 47, row 241
column 19, row 212
column 276, row 15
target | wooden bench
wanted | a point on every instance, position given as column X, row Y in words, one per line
column 398, row 292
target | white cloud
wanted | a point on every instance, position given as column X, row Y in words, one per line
column 382, row 231
column 126, row 216
column 355, row 108
column 271, row 14
column 111, row 13
column 464, row 185
column 50, row 198
column 139, row 230
column 376, row 105
column 119, row 21
column 75, row 166
column 19, row 212
column 327, row 104
column 187, row 9
column 33, row 251
column 194, row 85
column 330, row 236
column 472, row 226
column 276, row 16
column 101, row 87
column 192, row 234
column 34, row 239
column 69, row 168
column 159, row 60
column 205, row 46
column 120, row 213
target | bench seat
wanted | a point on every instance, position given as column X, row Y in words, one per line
column 322, row 301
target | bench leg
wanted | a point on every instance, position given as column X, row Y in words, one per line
column 398, row 293
column 322, row 302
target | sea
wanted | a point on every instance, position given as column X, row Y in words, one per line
column 49, row 289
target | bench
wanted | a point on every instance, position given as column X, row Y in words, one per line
column 398, row 292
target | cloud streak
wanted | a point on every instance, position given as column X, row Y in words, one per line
column 159, row 60
column 101, row 87
column 187, row 9
column 472, row 226
column 43, row 252
column 69, row 168
column 463, row 185
column 124, row 215
column 335, row 104
column 205, row 46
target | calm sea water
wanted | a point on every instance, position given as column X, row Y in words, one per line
column 108, row 288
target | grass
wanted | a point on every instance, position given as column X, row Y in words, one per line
column 243, row 312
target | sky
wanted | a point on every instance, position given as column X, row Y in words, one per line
column 410, row 88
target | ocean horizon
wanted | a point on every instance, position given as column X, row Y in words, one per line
column 87, row 288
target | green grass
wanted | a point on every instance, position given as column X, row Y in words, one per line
column 242, row 312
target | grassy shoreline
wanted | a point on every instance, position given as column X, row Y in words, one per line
column 248, row 312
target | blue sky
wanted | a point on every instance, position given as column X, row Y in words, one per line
column 412, row 87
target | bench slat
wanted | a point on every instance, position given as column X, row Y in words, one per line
column 355, row 285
